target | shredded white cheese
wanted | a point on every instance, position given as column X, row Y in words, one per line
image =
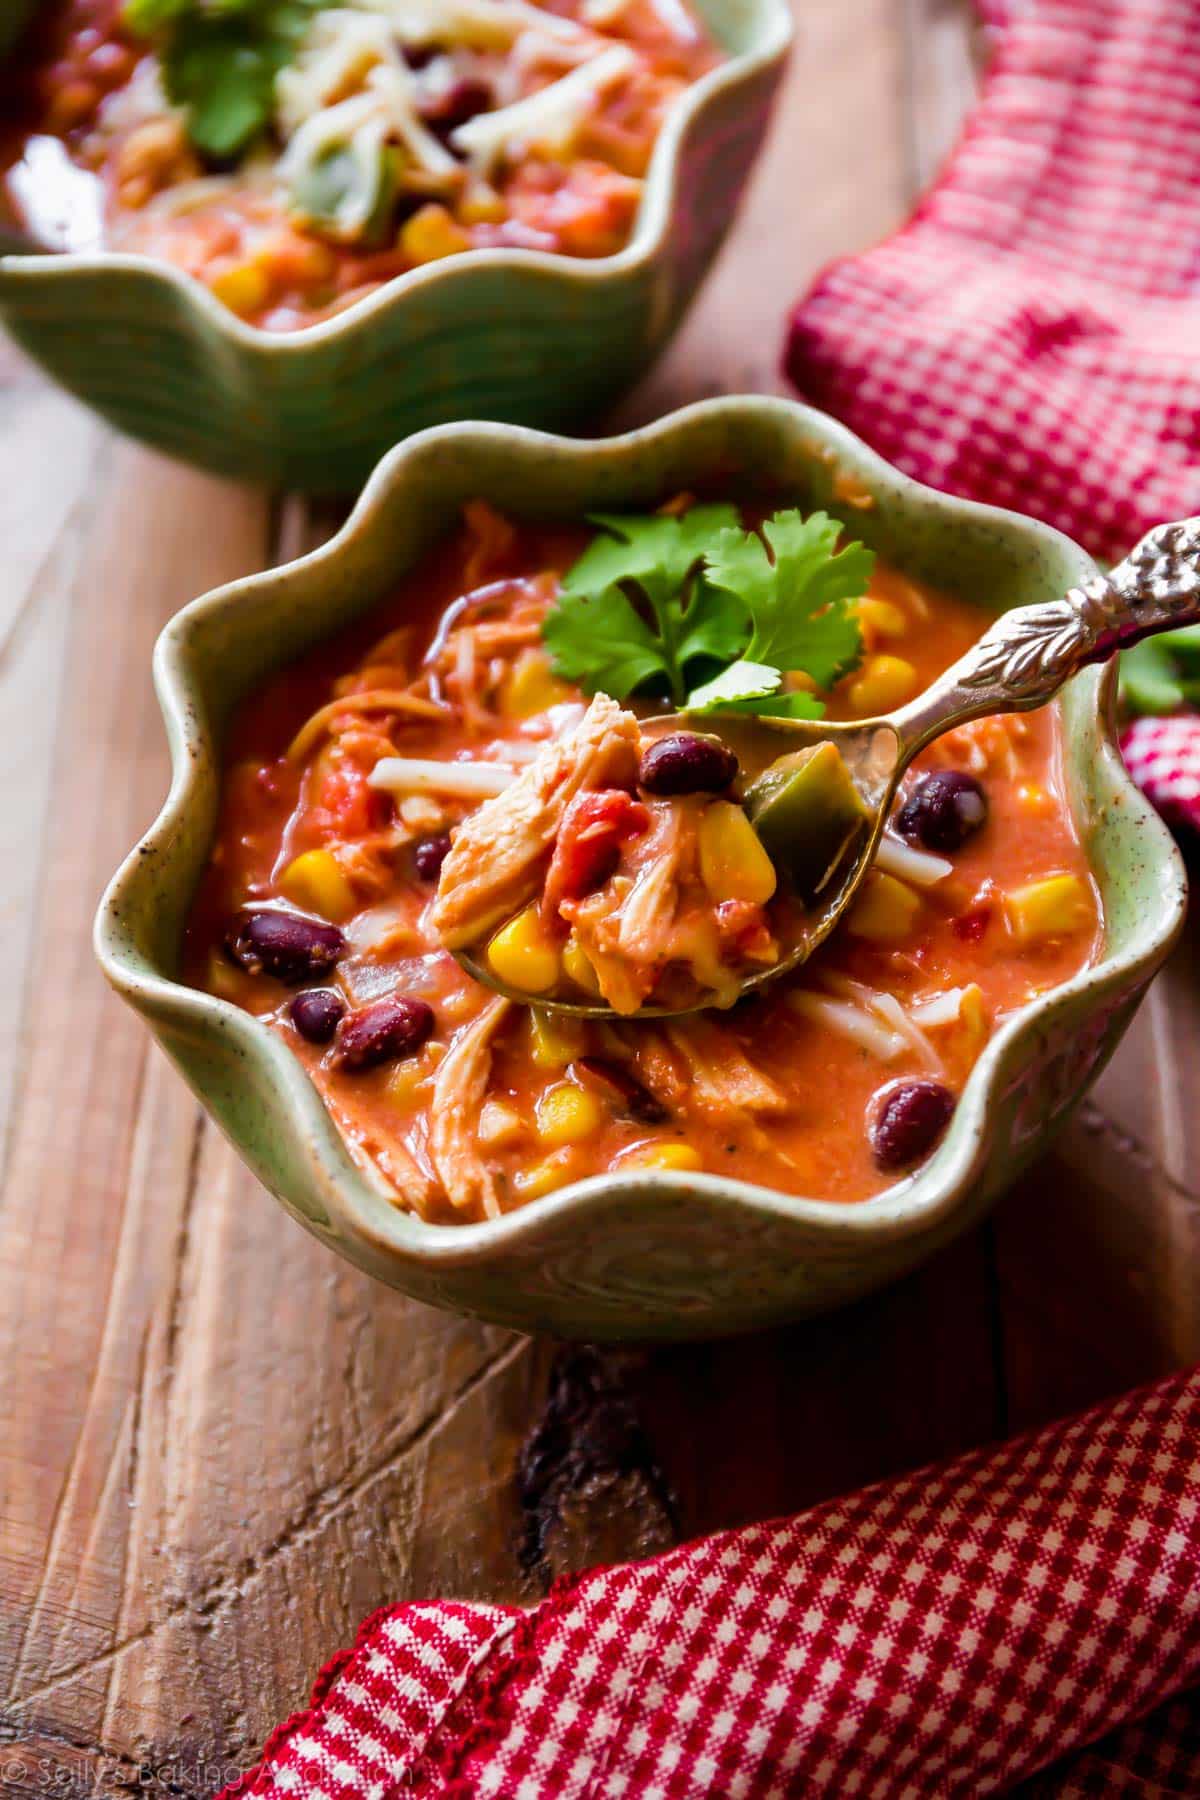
column 848, row 1021
column 475, row 23
column 415, row 775
column 548, row 119
column 888, row 1011
column 341, row 47
column 385, row 109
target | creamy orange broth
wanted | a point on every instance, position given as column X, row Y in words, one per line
column 816, row 1143
column 93, row 158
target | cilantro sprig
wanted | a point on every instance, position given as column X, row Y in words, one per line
column 219, row 60
column 713, row 615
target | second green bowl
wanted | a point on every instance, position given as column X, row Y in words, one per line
column 514, row 335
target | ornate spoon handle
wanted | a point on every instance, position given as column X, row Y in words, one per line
column 1022, row 660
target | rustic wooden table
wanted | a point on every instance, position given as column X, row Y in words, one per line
column 220, row 1447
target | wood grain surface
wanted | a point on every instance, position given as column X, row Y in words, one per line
column 220, row 1447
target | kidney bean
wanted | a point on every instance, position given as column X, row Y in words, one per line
column 429, row 854
column 316, row 1012
column 943, row 810
column 908, row 1119
column 623, row 1091
column 285, row 945
column 686, row 764
column 387, row 1029
column 455, row 105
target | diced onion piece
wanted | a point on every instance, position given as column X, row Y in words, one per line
column 416, row 775
column 849, row 1021
column 895, row 857
column 548, row 119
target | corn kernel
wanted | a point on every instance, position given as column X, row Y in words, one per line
column 567, row 1114
column 664, row 1156
column 482, row 205
column 972, row 1013
column 543, row 1177
column 1052, row 908
column 524, row 956
column 880, row 619
column 577, row 966
column 406, row 1082
column 733, row 863
column 315, row 881
column 289, row 259
column 499, row 1124
column 885, row 681
column 555, row 1039
column 885, row 911
column 245, row 289
column 431, row 234
column 531, row 687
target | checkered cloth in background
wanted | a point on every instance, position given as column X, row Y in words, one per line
column 1032, row 337
column 946, row 1634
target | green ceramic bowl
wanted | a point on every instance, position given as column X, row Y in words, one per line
column 514, row 335
column 636, row 1255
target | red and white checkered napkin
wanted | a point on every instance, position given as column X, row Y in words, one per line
column 1163, row 756
column 947, row 1634
column 1032, row 337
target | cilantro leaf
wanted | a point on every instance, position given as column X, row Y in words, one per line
column 661, row 599
column 665, row 546
column 796, row 597
column 780, row 706
column 741, row 681
column 600, row 641
column 682, row 617
column 219, row 61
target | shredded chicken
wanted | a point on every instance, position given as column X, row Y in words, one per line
column 663, row 1072
column 385, row 1154
column 496, row 861
column 626, row 929
column 458, row 1095
column 646, row 918
column 722, row 1074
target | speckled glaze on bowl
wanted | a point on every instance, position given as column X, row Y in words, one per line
column 514, row 335
column 634, row 1255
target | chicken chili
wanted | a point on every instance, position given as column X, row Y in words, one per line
column 473, row 764
column 294, row 154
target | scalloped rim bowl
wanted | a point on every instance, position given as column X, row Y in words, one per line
column 632, row 1255
column 381, row 367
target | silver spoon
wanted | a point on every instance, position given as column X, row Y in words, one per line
column 1018, row 664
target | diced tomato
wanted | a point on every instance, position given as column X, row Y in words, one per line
column 594, row 829
column 344, row 806
column 971, row 925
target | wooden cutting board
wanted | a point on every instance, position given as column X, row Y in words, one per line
column 220, row 1447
